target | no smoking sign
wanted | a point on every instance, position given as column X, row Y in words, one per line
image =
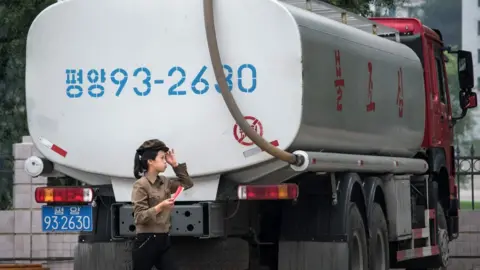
column 241, row 137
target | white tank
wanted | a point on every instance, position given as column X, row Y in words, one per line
column 103, row 76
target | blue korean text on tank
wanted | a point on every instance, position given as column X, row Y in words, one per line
column 92, row 82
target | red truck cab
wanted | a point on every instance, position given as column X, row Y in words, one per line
column 437, row 143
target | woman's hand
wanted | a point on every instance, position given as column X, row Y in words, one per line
column 171, row 159
column 164, row 205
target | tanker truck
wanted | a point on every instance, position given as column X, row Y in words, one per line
column 316, row 138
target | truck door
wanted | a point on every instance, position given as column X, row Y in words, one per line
column 441, row 115
column 441, row 105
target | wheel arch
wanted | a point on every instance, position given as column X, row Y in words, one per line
column 437, row 163
column 351, row 187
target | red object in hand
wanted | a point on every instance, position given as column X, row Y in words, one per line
column 179, row 190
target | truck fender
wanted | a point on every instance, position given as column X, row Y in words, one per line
column 349, row 189
column 315, row 216
column 314, row 229
column 438, row 171
column 436, row 159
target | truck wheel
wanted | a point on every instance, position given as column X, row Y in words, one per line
column 378, row 245
column 442, row 239
column 357, row 240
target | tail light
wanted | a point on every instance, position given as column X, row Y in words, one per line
column 63, row 195
column 268, row 192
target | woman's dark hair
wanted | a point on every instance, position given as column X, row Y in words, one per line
column 147, row 151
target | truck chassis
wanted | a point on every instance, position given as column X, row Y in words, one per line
column 381, row 221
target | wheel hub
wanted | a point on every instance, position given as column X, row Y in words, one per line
column 357, row 253
column 380, row 262
column 443, row 246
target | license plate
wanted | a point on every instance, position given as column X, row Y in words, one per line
column 67, row 218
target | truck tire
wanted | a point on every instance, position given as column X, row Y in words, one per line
column 379, row 256
column 442, row 238
column 357, row 240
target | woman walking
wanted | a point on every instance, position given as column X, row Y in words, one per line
column 152, row 204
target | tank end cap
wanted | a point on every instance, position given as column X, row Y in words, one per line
column 35, row 166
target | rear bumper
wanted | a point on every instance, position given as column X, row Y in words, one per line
column 203, row 220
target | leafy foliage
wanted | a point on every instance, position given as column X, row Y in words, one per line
column 16, row 17
column 6, row 175
column 362, row 7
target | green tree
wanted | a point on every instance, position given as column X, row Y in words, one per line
column 362, row 7
column 16, row 17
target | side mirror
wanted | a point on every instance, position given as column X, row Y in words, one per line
column 465, row 70
column 468, row 100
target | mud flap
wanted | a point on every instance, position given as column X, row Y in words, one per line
column 314, row 229
column 214, row 254
column 312, row 255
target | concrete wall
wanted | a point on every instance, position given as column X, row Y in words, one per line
column 21, row 237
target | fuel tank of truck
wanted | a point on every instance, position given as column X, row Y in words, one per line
column 104, row 76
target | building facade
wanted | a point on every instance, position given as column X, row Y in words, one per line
column 471, row 33
column 408, row 9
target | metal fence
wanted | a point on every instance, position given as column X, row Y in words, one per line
column 467, row 171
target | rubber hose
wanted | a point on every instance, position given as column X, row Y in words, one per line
column 228, row 97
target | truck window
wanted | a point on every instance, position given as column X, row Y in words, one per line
column 440, row 74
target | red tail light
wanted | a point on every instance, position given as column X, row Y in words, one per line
column 269, row 192
column 63, row 195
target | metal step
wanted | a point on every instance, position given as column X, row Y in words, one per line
column 422, row 233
